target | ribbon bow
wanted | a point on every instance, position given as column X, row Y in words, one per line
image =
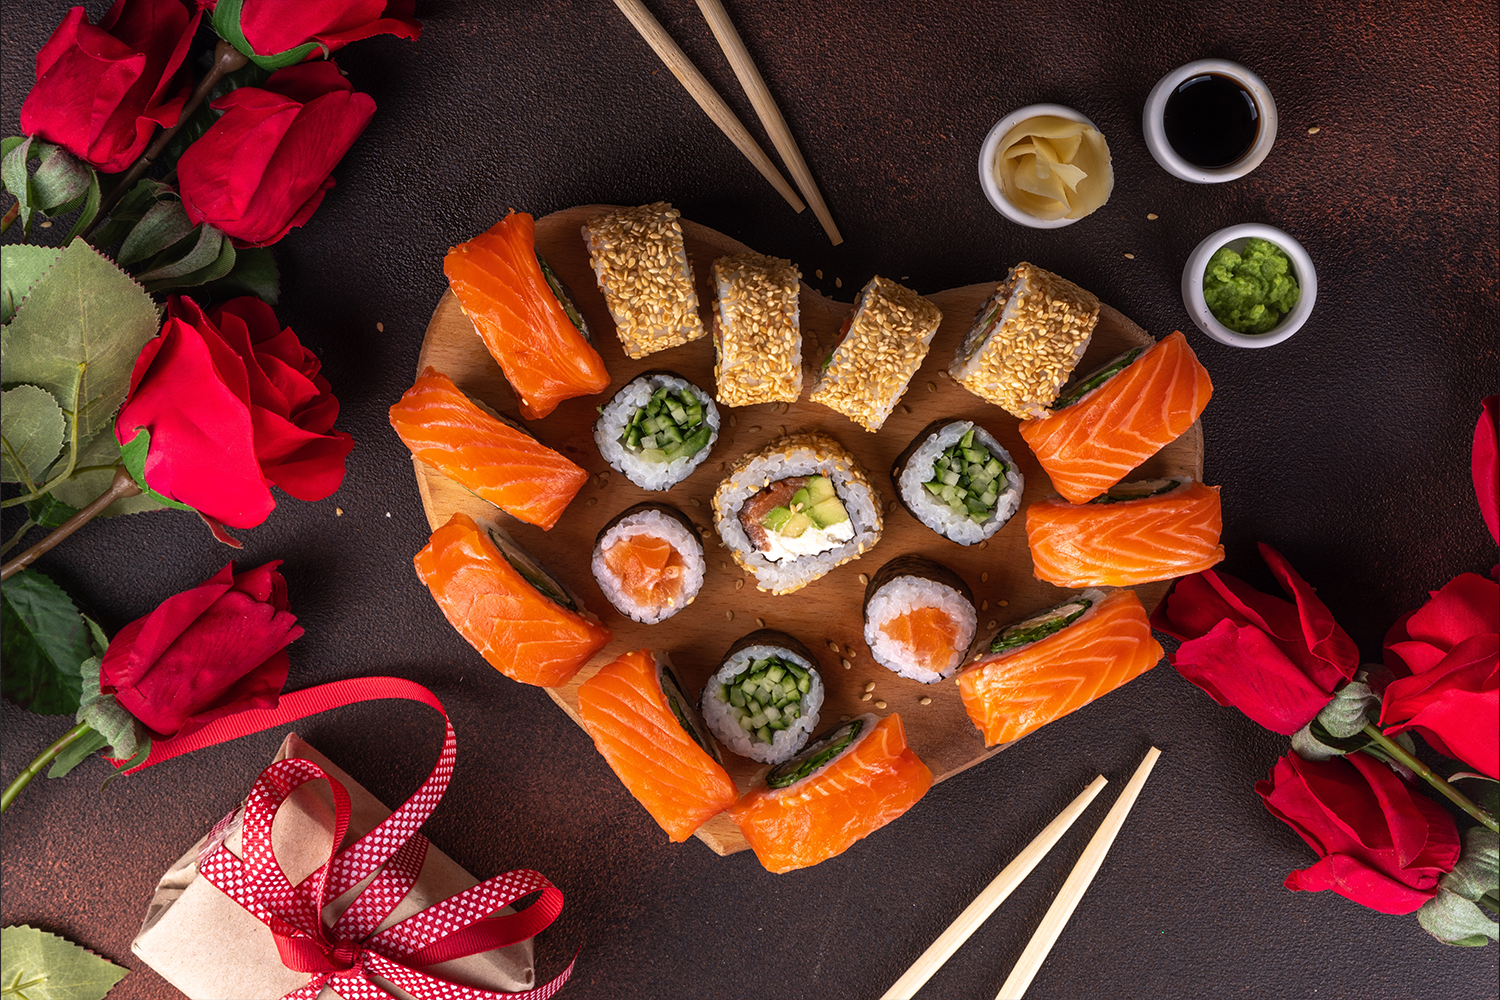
column 350, row 954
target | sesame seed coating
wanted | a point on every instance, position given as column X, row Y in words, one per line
column 643, row 270
column 758, row 356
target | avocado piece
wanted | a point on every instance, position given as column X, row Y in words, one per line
column 801, row 500
column 775, row 518
column 829, row 512
column 819, row 488
column 796, row 525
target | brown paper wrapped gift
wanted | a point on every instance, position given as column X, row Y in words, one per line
column 210, row 948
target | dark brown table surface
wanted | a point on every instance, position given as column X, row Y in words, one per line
column 1346, row 447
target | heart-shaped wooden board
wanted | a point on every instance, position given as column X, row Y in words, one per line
column 826, row 615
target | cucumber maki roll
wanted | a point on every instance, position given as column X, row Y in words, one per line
column 657, row 430
column 957, row 480
column 763, row 701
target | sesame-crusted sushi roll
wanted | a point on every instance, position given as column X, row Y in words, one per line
column 657, row 430
column 763, row 701
column 757, row 341
column 643, row 270
column 1026, row 340
column 919, row 619
column 885, row 340
column 795, row 509
column 956, row 479
column 648, row 561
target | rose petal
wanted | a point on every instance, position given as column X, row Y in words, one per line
column 1240, row 666
column 1467, row 605
column 1362, row 884
column 1455, row 706
column 1485, row 466
column 143, row 641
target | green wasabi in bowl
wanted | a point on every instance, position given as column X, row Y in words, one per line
column 1250, row 291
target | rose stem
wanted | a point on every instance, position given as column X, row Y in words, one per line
column 1398, row 752
column 10, row 216
column 122, row 486
column 35, row 767
column 227, row 59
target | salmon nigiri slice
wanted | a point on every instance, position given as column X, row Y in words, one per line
column 520, row 618
column 1085, row 648
column 839, row 790
column 1153, row 531
column 495, row 461
column 1089, row 445
column 528, row 323
column 636, row 713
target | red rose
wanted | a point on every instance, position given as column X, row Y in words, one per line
column 275, row 33
column 1486, row 466
column 1380, row 843
column 1446, row 655
column 233, row 404
column 264, row 166
column 102, row 90
column 217, row 649
column 1278, row 662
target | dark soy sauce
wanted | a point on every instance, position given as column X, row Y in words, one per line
column 1211, row 121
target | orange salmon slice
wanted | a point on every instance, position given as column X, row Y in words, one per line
column 521, row 633
column 510, row 469
column 929, row 634
column 1125, row 543
column 1007, row 695
column 625, row 710
column 1090, row 446
column 649, row 570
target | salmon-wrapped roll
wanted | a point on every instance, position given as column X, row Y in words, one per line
column 1134, row 533
column 648, row 731
column 526, row 316
column 1044, row 667
column 493, row 459
column 1118, row 416
column 523, row 620
column 839, row 790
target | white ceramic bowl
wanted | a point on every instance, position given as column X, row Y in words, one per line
column 1156, row 134
column 1235, row 237
column 987, row 162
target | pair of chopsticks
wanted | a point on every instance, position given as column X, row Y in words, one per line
column 1062, row 907
column 755, row 88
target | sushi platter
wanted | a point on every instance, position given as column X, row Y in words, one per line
column 826, row 615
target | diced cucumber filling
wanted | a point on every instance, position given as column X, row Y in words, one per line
column 766, row 697
column 668, row 427
column 968, row 478
column 816, row 756
column 1040, row 626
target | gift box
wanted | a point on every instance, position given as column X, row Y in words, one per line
column 210, row 947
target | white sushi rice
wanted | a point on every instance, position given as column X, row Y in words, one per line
column 610, row 427
column 907, row 593
column 719, row 714
column 936, row 514
column 797, row 455
column 660, row 525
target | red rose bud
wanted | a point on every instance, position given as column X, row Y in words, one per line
column 1446, row 656
column 217, row 649
column 101, row 90
column 275, row 33
column 264, row 166
column 233, row 403
column 1276, row 661
column 1486, row 467
column 1381, row 844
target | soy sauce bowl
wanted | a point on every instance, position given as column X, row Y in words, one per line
column 1153, row 122
column 991, row 146
column 1235, row 238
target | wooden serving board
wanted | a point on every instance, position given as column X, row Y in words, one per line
column 827, row 613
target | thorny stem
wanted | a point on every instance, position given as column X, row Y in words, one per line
column 122, row 486
column 35, row 767
column 1399, row 754
column 227, row 59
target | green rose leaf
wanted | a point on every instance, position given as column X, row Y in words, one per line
column 226, row 21
column 134, row 457
column 21, row 267
column 49, row 512
column 61, row 181
column 217, row 267
column 129, row 210
column 103, row 714
column 17, row 178
column 1477, row 873
column 254, row 273
column 162, row 225
column 76, row 753
column 78, row 336
column 1454, row 920
column 1481, row 789
column 41, row 966
column 100, row 456
column 31, row 434
column 43, row 640
column 185, row 256
column 1314, row 742
column 1349, row 711
column 91, row 201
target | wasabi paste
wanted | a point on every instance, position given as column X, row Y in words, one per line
column 1250, row 291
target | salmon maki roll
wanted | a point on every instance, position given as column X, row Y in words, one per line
column 839, row 790
column 523, row 621
column 493, row 459
column 1118, row 416
column 1043, row 668
column 1134, row 533
column 525, row 316
column 653, row 739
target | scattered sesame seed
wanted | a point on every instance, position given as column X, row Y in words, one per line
column 1152, row 216
column 1005, row 604
column 846, row 664
column 838, row 282
column 1314, row 130
column 723, row 564
column 696, row 502
column 984, row 606
column 1130, row 256
column 739, row 584
column 864, row 580
column 924, row 700
column 379, row 327
column 843, row 718
column 760, row 623
column 593, row 501
column 932, row 387
column 984, row 544
column 387, row 513
column 729, row 615
column 880, row 704
column 993, row 623
column 866, row 696
column 833, row 645
column 869, row 685
column 819, row 273
column 46, row 225
column 984, row 578
column 733, row 420
column 338, row 512
column 754, row 428
column 849, row 650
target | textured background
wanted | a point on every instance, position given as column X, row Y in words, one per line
column 1346, row 448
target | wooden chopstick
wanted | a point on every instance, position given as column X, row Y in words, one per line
column 708, row 99
column 967, row 922
column 770, row 115
column 1073, row 889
